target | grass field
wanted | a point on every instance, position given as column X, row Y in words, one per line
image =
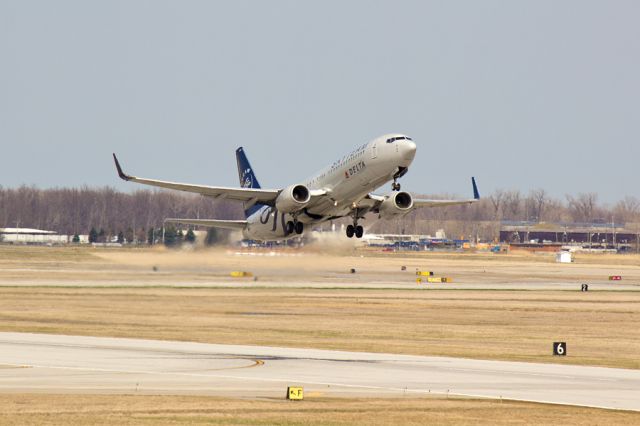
column 118, row 293
column 86, row 266
column 96, row 292
column 600, row 328
column 180, row 410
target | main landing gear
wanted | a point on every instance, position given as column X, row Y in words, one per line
column 356, row 230
column 294, row 226
column 395, row 186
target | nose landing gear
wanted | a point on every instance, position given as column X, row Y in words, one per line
column 395, row 186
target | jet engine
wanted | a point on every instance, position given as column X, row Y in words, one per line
column 293, row 198
column 395, row 204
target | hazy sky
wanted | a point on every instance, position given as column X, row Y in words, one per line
column 521, row 94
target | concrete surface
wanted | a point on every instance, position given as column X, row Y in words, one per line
column 76, row 364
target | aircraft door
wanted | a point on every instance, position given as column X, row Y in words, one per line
column 374, row 150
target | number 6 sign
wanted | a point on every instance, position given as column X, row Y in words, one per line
column 560, row 348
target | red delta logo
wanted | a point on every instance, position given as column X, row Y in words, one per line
column 355, row 169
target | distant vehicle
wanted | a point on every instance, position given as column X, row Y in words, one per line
column 342, row 189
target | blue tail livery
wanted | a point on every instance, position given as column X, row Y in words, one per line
column 247, row 178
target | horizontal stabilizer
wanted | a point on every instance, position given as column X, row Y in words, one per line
column 213, row 223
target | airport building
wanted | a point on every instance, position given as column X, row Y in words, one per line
column 415, row 242
column 35, row 236
column 603, row 235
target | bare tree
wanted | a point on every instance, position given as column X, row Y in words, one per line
column 496, row 200
column 627, row 209
column 76, row 210
column 582, row 206
column 512, row 204
column 536, row 203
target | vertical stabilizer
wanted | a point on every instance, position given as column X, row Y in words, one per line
column 247, row 179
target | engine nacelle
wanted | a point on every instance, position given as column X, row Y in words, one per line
column 396, row 204
column 293, row 198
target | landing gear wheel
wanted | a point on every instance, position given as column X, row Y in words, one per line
column 299, row 227
column 395, row 186
column 289, row 228
column 359, row 231
column 350, row 231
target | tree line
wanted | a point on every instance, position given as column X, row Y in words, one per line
column 109, row 213
column 139, row 215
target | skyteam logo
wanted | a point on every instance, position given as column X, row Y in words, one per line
column 247, row 179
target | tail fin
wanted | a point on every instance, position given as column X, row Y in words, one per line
column 476, row 194
column 247, row 179
column 245, row 172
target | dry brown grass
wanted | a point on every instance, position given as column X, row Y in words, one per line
column 178, row 410
column 601, row 328
column 86, row 266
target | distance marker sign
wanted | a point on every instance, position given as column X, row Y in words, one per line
column 560, row 348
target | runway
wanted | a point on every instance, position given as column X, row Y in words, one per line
column 76, row 364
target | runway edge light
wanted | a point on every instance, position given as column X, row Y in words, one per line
column 295, row 393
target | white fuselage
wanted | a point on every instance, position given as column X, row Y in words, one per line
column 346, row 182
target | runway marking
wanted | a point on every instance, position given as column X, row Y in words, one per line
column 256, row 363
column 329, row 384
column 203, row 355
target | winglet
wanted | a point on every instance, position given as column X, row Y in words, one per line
column 476, row 194
column 122, row 174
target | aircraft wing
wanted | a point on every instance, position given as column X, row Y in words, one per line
column 372, row 202
column 248, row 195
column 417, row 203
column 213, row 223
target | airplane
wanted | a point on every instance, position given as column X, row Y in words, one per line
column 343, row 189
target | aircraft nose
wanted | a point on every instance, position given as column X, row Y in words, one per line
column 408, row 149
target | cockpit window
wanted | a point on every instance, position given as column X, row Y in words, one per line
column 398, row 138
